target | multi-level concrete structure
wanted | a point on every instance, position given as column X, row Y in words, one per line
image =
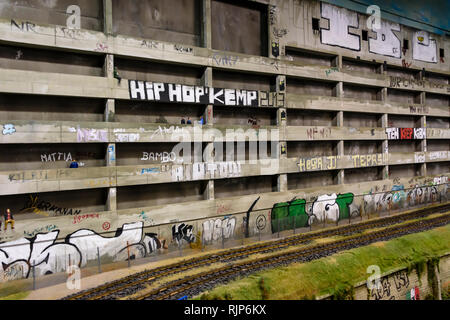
column 349, row 111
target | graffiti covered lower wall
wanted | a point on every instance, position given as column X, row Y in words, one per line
column 55, row 243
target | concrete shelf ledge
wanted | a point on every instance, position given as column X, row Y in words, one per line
column 47, row 180
column 36, row 131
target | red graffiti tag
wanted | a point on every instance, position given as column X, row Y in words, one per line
column 106, row 226
column 78, row 218
column 406, row 133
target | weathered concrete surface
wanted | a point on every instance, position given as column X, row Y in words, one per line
column 379, row 115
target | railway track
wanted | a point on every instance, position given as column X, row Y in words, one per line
column 198, row 283
column 133, row 283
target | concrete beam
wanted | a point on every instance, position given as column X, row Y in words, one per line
column 111, row 132
column 40, row 180
column 296, row 101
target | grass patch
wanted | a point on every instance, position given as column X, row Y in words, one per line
column 16, row 296
column 338, row 273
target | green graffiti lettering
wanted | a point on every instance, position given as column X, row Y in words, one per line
column 343, row 201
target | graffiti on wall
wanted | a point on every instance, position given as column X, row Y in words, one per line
column 318, row 133
column 298, row 213
column 183, row 233
column 87, row 135
column 398, row 281
column 199, row 171
column 167, row 92
column 224, row 59
column 424, row 47
column 406, row 133
column 399, row 198
column 330, row 162
column 56, row 156
column 127, row 137
column 173, row 130
column 413, row 83
column 8, row 129
column 44, row 207
column 386, row 42
column 217, row 229
column 342, row 25
column 50, row 254
column 162, row 157
column 111, row 153
column 344, row 29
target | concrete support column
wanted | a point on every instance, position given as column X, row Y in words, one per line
column 340, row 153
column 382, row 69
column 108, row 71
column 338, row 90
column 207, row 77
column 282, row 184
column 110, row 110
column 108, row 66
column 111, row 155
column 422, row 98
column 208, row 117
column 382, row 95
column 423, row 124
column 423, row 146
column 385, row 145
column 107, row 17
column 209, row 190
column 340, row 144
column 337, row 62
column 281, row 117
column 206, row 80
column 206, row 24
column 281, row 125
column 111, row 202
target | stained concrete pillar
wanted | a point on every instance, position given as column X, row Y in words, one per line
column 111, row 155
column 281, row 115
column 108, row 71
column 338, row 90
column 423, row 146
column 108, row 66
column 382, row 95
column 110, row 110
column 337, row 62
column 206, row 80
column 111, row 201
column 423, row 124
column 208, row 117
column 282, row 184
column 382, row 69
column 209, row 190
column 385, row 145
column 340, row 144
column 107, row 17
column 206, row 24
column 281, row 125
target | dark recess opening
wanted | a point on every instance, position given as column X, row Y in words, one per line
column 405, row 44
column 316, row 24
column 365, row 35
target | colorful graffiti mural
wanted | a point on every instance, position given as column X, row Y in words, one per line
column 286, row 215
column 400, row 198
column 49, row 254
